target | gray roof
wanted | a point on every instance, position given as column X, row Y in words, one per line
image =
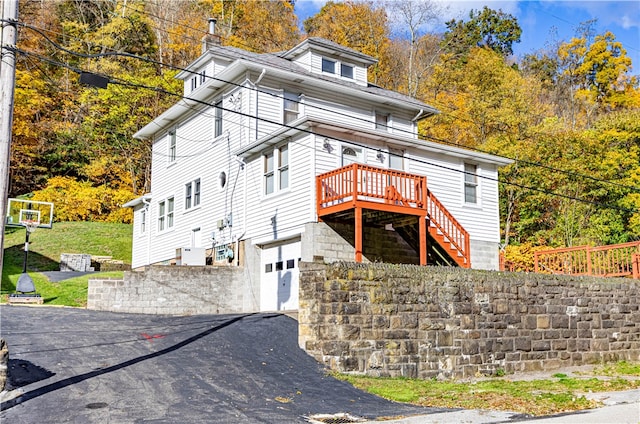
column 276, row 61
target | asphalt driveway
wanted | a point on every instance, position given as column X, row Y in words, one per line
column 73, row 365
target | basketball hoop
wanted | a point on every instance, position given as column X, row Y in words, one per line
column 30, row 225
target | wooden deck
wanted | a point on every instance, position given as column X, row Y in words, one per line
column 356, row 188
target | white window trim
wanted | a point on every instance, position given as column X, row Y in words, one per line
column 377, row 113
column 288, row 96
column 143, row 220
column 476, row 184
column 277, row 170
column 172, row 146
column 163, row 218
column 191, row 195
column 218, row 120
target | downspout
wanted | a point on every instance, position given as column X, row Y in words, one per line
column 146, row 204
column 418, row 115
column 255, row 84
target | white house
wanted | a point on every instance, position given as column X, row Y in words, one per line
column 270, row 159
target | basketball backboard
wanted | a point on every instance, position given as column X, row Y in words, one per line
column 21, row 212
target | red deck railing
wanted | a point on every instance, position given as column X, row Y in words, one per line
column 448, row 231
column 357, row 182
column 618, row 260
column 358, row 185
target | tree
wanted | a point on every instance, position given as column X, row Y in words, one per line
column 413, row 16
column 488, row 28
column 256, row 29
column 358, row 25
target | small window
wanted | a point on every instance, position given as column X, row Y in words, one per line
column 194, row 83
column 218, row 119
column 172, row 146
column 223, row 179
column 192, row 194
column 268, row 268
column 276, row 169
column 143, row 221
column 283, row 167
column 269, row 175
column 165, row 214
column 291, row 263
column 470, row 183
column 346, row 71
column 382, row 121
column 203, row 77
column 279, row 266
column 328, row 66
column 396, row 159
column 290, row 107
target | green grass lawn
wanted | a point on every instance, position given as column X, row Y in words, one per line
column 45, row 247
column 557, row 394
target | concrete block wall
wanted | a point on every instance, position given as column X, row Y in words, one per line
column 176, row 290
column 334, row 242
column 434, row 322
column 75, row 262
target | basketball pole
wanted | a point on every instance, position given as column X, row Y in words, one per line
column 8, row 38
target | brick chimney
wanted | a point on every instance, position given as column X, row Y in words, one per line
column 211, row 38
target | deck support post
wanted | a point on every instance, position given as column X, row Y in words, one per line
column 358, row 238
column 422, row 231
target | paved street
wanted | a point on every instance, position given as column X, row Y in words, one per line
column 76, row 366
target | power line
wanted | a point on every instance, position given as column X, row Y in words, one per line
column 438, row 140
column 422, row 161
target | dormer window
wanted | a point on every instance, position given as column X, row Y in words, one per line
column 346, row 71
column 194, row 83
column 328, row 66
column 203, row 77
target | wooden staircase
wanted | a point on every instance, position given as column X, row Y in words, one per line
column 448, row 232
column 364, row 193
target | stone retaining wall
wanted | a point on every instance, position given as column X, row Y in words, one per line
column 176, row 290
column 426, row 322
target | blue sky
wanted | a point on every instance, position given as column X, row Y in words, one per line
column 543, row 21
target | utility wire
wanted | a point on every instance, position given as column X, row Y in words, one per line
column 438, row 140
column 422, row 161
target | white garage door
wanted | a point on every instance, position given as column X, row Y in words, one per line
column 279, row 280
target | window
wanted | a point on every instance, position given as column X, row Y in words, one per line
column 143, row 221
column 165, row 214
column 276, row 160
column 217, row 131
column 352, row 155
column 192, row 194
column 203, row 77
column 396, row 159
column 470, row 183
column 283, row 167
column 382, row 121
column 290, row 107
column 172, row 146
column 269, row 176
column 194, row 83
column 328, row 66
column 346, row 71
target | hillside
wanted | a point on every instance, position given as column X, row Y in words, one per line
column 46, row 245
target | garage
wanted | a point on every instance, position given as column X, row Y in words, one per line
column 279, row 277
